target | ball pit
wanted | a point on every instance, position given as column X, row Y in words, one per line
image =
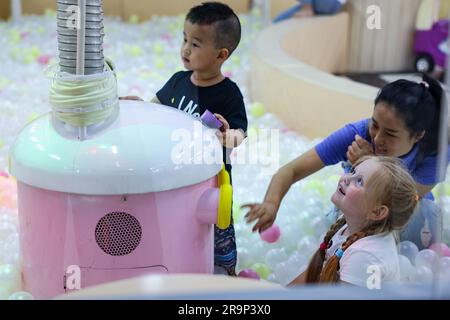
column 146, row 55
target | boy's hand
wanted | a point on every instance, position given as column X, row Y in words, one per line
column 265, row 213
column 359, row 148
column 225, row 125
column 222, row 134
column 229, row 138
column 136, row 98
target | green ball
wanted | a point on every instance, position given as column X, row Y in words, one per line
column 257, row 110
column 28, row 59
column 158, row 48
column 160, row 64
column 33, row 116
column 4, row 82
column 333, row 179
column 135, row 51
column 315, row 185
column 262, row 269
column 437, row 190
column 50, row 12
column 14, row 36
column 35, row 52
column 236, row 60
column 134, row 19
column 15, row 52
column 252, row 132
column 237, row 214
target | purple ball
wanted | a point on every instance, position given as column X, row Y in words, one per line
column 272, row 234
column 249, row 273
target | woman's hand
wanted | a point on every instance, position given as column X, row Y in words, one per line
column 359, row 148
column 306, row 11
column 265, row 214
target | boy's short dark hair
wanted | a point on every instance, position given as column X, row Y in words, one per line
column 226, row 23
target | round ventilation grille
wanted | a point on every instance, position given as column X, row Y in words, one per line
column 118, row 233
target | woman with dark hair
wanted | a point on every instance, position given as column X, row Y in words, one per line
column 404, row 124
column 309, row 8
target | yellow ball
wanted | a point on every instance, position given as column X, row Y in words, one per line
column 134, row 19
column 158, row 48
column 135, row 51
column 315, row 185
column 160, row 64
column 257, row 110
column 236, row 211
column 35, row 52
column 14, row 36
column 262, row 269
column 33, row 116
column 50, row 13
column 4, row 82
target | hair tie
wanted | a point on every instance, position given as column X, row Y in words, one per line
column 425, row 84
column 339, row 253
column 323, row 246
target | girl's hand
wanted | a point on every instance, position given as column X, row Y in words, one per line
column 359, row 148
column 265, row 214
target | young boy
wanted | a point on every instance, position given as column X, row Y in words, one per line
column 212, row 32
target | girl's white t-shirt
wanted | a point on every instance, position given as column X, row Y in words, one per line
column 369, row 262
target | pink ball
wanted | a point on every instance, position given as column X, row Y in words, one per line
column 272, row 234
column 441, row 248
column 249, row 273
column 44, row 59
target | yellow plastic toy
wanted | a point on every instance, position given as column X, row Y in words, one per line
column 225, row 199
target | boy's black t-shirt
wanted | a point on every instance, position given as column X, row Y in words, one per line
column 224, row 98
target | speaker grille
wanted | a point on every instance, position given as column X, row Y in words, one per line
column 118, row 233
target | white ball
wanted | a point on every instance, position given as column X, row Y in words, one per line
column 10, row 278
column 272, row 278
column 243, row 258
column 21, row 295
column 281, row 273
column 423, row 275
column 298, row 259
column 4, row 294
column 427, row 258
column 256, row 253
column 409, row 250
column 307, row 245
column 407, row 270
column 444, row 264
column 275, row 256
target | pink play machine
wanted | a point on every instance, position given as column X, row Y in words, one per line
column 109, row 190
column 136, row 198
